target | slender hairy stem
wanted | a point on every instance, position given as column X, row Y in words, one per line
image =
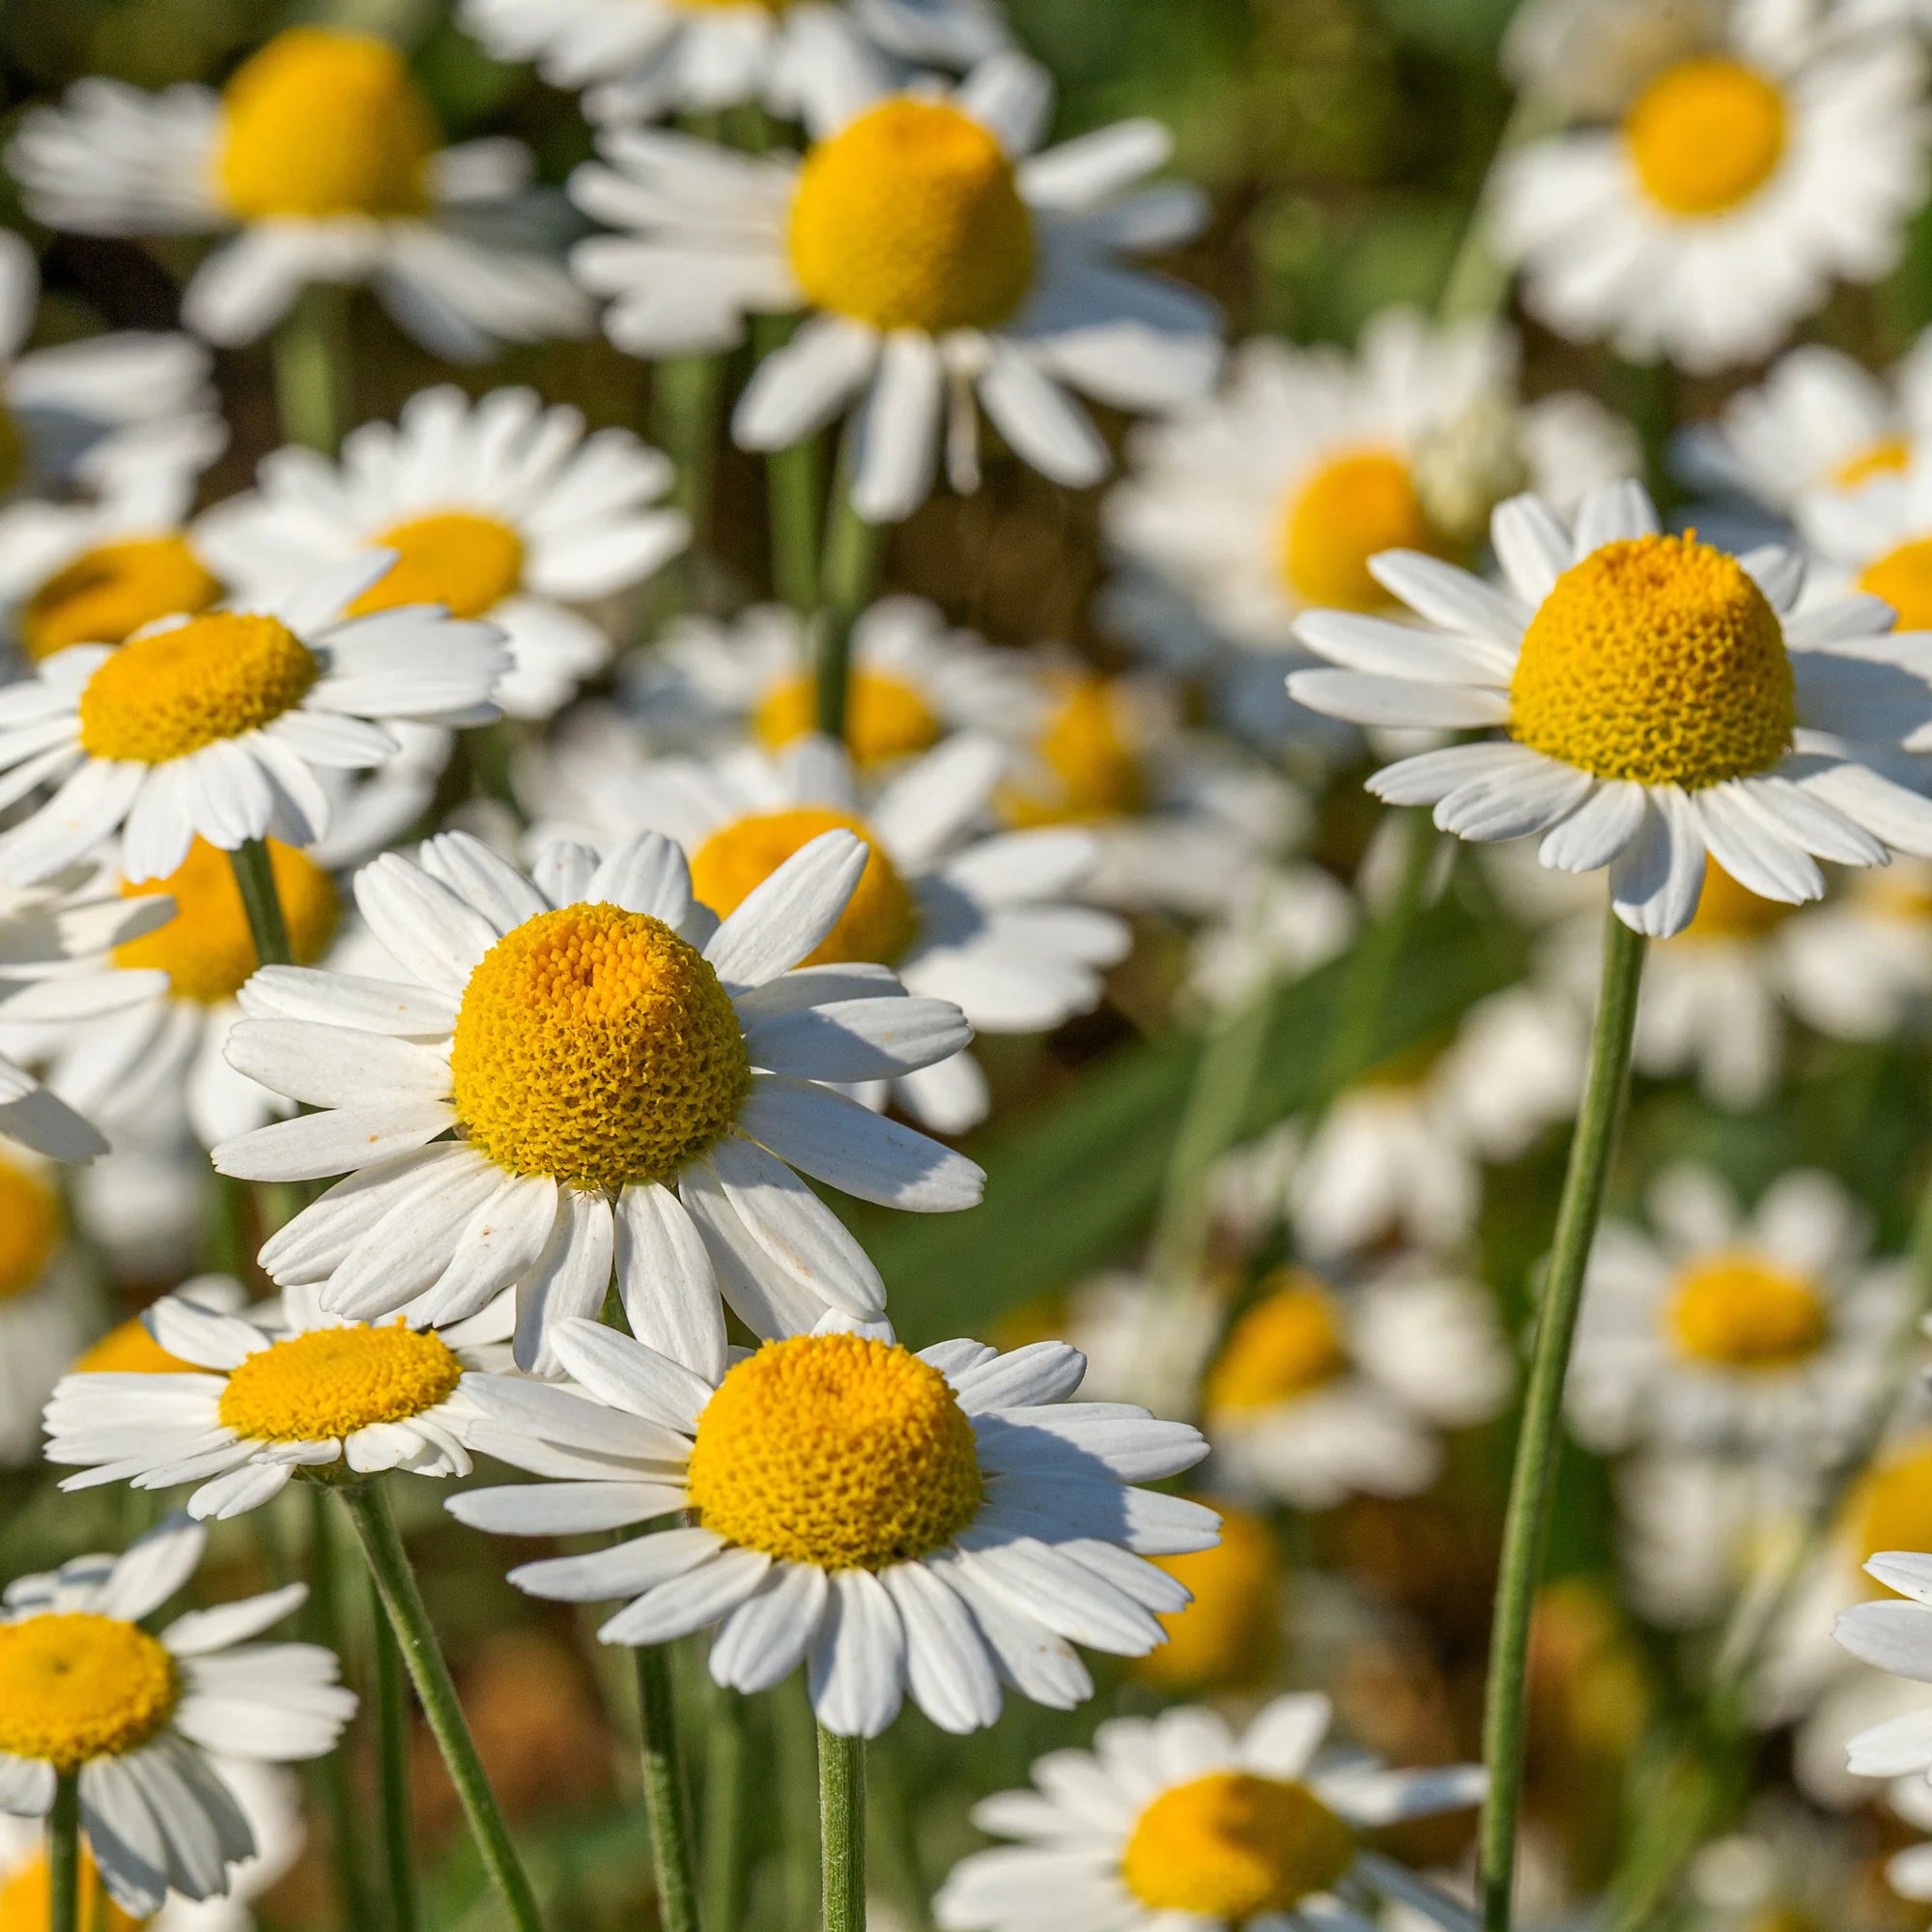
column 309, row 371
column 392, row 1763
column 1527, row 1522
column 724, row 1852
column 663, row 1792
column 64, row 1855
column 852, row 548
column 255, row 878
column 842, row 1831
column 368, row 1505
column 332, row 1773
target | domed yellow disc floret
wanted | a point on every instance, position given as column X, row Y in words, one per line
column 129, row 1349
column 1229, row 1636
column 836, row 1451
column 207, row 950
column 1231, row 1845
column 109, row 592
column 30, row 1228
column 1890, row 1506
column 329, row 1383
column 1289, row 1343
column 467, row 562
column 322, row 124
column 1089, row 768
column 595, row 1045
column 26, row 1899
column 1656, row 660
column 1740, row 1311
column 74, row 1686
column 1705, row 136
column 910, row 217
column 880, row 920
column 172, row 692
column 1903, row 578
column 1727, row 910
column 1353, row 507
column 885, row 718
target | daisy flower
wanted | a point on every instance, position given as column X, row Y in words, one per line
column 937, row 258
column 215, row 726
column 980, row 921
column 640, row 60
column 85, row 1689
column 1316, row 1396
column 1729, row 189
column 942, row 1523
column 266, row 1394
column 1770, row 1330
column 44, row 1300
column 495, row 508
column 1661, row 700
column 1269, row 498
column 1175, row 1820
column 1876, row 532
column 323, row 157
column 589, row 1071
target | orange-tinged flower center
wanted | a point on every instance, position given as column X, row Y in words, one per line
column 1355, row 506
column 1087, row 767
column 1903, row 578
column 109, row 592
column 1229, row 1636
column 886, row 718
column 456, row 557
column 75, row 1686
column 30, row 1228
column 1231, row 1845
column 1705, row 136
column 1287, row 1346
column 1744, row 1311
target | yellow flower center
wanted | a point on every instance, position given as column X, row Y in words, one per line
column 1352, row 508
column 1903, row 578
column 1740, row 1311
column 836, row 1451
column 1705, row 136
column 30, row 1228
column 330, row 1382
column 1885, row 458
column 885, row 718
column 1231, row 1845
column 322, row 124
column 1657, row 660
column 457, row 558
column 1288, row 1345
column 127, row 1350
column 1088, row 767
column 26, row 1899
column 171, row 693
column 75, row 1686
column 1229, row 1636
column 1890, row 1507
column 880, row 921
column 910, row 217
column 596, row 1046
column 206, row 950
column 1730, row 911
column 110, row 591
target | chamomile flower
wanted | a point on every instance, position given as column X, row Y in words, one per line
column 1175, row 1820
column 938, row 258
column 589, row 1071
column 1318, row 1395
column 215, row 726
column 86, row 1690
column 1269, row 498
column 1876, row 531
column 43, row 1299
column 1661, row 702
column 265, row 1395
column 495, row 508
column 322, row 158
column 1728, row 189
column 638, row 60
column 939, row 1524
column 980, row 921
column 1768, row 1330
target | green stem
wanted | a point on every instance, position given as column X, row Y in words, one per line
column 310, row 379
column 392, row 1747
column 665, row 1797
column 368, row 1505
column 794, row 485
column 64, row 1855
column 324, row 1627
column 1532, row 1486
column 686, row 394
column 255, row 879
column 1477, row 284
column 842, row 1831
column 852, row 547
column 723, row 1811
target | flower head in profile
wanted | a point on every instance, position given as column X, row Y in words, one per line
column 497, row 508
column 585, row 1071
column 1176, row 1820
column 938, row 259
column 322, row 158
column 87, row 1691
column 1661, row 700
column 218, row 726
column 939, row 1524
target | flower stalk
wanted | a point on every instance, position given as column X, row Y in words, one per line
column 665, row 1798
column 842, row 1831
column 852, row 547
column 262, row 904
column 64, row 1855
